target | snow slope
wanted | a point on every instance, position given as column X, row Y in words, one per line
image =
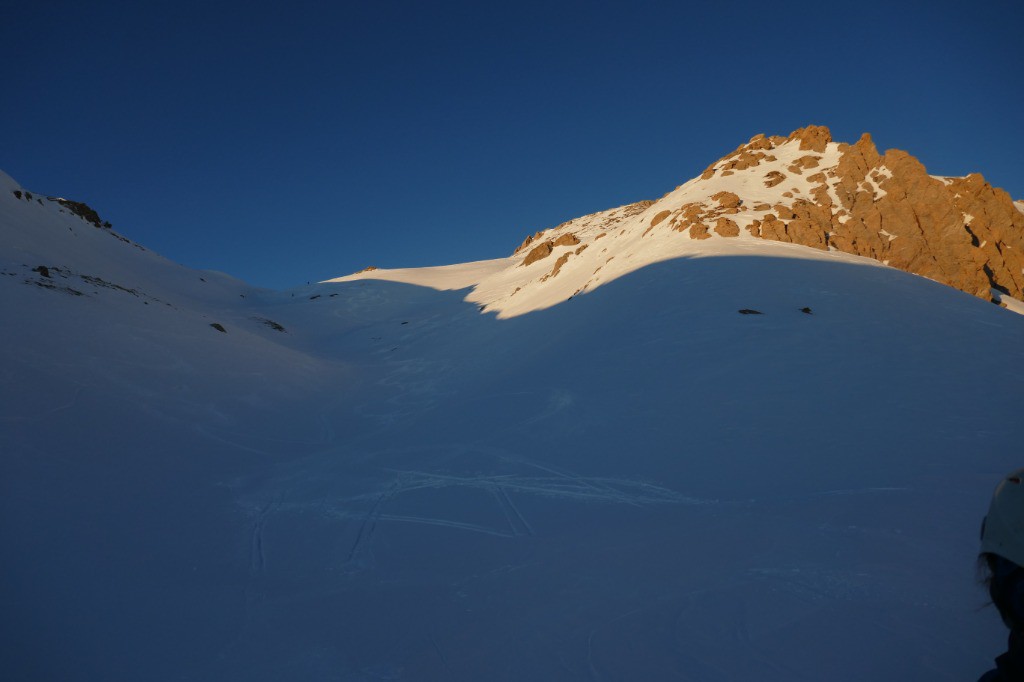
column 637, row 483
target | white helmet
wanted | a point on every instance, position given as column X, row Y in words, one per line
column 1002, row 531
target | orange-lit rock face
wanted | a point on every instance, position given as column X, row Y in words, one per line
column 960, row 231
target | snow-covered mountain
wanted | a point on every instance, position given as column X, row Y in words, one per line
column 624, row 452
column 803, row 189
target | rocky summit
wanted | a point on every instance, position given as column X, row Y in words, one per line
column 809, row 190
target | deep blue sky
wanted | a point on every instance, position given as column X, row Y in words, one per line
column 307, row 140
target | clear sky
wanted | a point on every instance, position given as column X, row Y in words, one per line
column 304, row 140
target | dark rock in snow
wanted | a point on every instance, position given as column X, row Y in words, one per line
column 82, row 210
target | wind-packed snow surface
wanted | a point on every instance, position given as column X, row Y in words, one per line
column 639, row 483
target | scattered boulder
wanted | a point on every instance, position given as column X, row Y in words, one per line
column 774, row 178
column 219, row 327
column 699, row 231
column 526, row 242
column 540, row 251
column 660, row 217
column 727, row 228
column 42, row 270
column 544, row 249
column 726, row 199
column 759, row 142
column 692, row 211
column 273, row 325
column 812, row 138
column 750, row 311
column 744, row 160
column 562, row 260
column 803, row 162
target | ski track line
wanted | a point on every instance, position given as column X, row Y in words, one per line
column 584, row 482
column 369, row 523
column 653, row 492
column 513, row 516
column 858, row 491
column 444, row 523
column 257, row 554
column 509, row 504
column 575, row 488
column 538, row 486
column 562, row 485
column 496, row 491
column 257, row 565
column 594, row 674
column 440, row 654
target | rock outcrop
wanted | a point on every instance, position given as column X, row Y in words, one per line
column 727, row 228
column 80, row 209
column 959, row 231
column 542, row 250
column 812, row 138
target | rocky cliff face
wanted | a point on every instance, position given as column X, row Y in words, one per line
column 807, row 189
column 959, row 231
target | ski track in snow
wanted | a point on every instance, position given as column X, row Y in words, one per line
column 516, row 521
column 561, row 485
column 440, row 654
column 498, row 488
column 368, row 525
column 443, row 523
column 258, row 556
